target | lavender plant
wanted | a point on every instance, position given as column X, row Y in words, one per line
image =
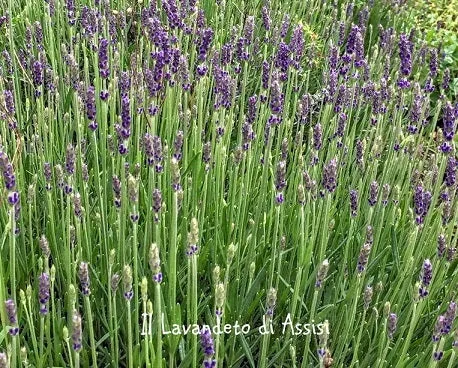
column 269, row 184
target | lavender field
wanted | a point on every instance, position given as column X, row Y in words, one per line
column 229, row 183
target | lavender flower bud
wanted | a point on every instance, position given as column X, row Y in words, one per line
column 363, row 257
column 114, row 282
column 83, row 274
column 175, row 170
column 392, row 324
column 441, row 246
column 47, row 172
column 207, row 154
column 422, row 202
column 385, row 193
column 178, row 145
column 44, row 246
column 157, row 153
column 4, row 360
column 373, row 193
column 127, row 283
column 439, row 328
column 78, row 208
column 206, row 341
column 77, row 333
column 451, row 253
column 446, row 79
column 280, row 181
column 317, row 136
column 220, row 297
column 353, row 202
column 360, row 148
column 10, row 307
column 132, row 189
column 450, row 172
column 43, row 292
column 116, row 184
column 322, row 273
column 301, row 194
column 329, row 180
column 405, row 54
column 266, row 21
column 155, row 263
column 450, row 315
column 368, row 292
column 157, row 203
column 103, row 58
column 271, row 301
column 6, row 168
column 193, row 238
column 425, row 278
column 70, row 159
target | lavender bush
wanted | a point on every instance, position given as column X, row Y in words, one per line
column 169, row 168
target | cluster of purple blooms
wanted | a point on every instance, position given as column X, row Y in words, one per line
column 10, row 109
column 170, row 65
column 83, row 274
column 405, row 54
column 392, row 325
column 91, row 107
column 280, row 181
column 124, row 129
column 43, row 292
column 11, row 313
column 104, row 68
column 206, row 341
column 443, row 327
column 422, row 202
column 77, row 332
column 153, row 150
column 9, row 179
column 425, row 278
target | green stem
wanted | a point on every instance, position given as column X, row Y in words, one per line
column 91, row 331
column 129, row 336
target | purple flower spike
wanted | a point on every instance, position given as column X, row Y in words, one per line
column 422, row 202
column 266, row 20
column 450, row 315
column 449, row 119
column 103, row 58
column 43, row 292
column 446, row 79
column 83, row 274
column 363, row 257
column 392, row 323
column 425, row 278
column 77, row 333
column 405, row 53
column 353, row 202
column 206, row 341
column 317, row 136
column 439, row 328
column 90, row 103
column 329, row 180
column 373, row 193
column 6, row 168
column 450, row 172
column 441, row 246
column 38, row 74
column 11, row 313
column 70, row 159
